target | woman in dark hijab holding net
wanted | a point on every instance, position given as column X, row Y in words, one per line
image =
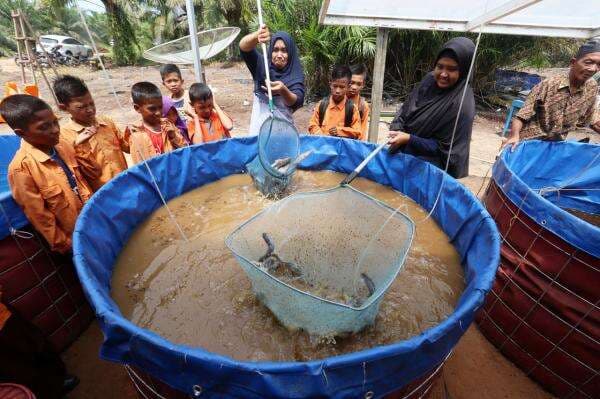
column 285, row 69
column 424, row 124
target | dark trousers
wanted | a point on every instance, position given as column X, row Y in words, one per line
column 26, row 358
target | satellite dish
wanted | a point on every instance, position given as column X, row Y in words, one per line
column 210, row 42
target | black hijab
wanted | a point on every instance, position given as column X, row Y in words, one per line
column 292, row 74
column 430, row 112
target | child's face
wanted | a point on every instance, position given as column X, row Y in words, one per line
column 151, row 110
column 338, row 89
column 356, row 85
column 172, row 115
column 42, row 131
column 203, row 108
column 173, row 83
column 82, row 109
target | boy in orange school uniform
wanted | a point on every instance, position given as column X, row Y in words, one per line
column 336, row 115
column 213, row 124
column 44, row 176
column 357, row 83
column 153, row 135
column 98, row 143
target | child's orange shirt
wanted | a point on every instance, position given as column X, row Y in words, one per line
column 141, row 143
column 104, row 150
column 363, row 112
column 335, row 116
column 42, row 189
column 211, row 129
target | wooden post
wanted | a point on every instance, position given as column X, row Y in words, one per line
column 377, row 90
column 30, row 51
column 16, row 24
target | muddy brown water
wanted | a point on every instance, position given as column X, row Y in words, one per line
column 195, row 293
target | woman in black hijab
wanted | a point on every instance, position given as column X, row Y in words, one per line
column 423, row 126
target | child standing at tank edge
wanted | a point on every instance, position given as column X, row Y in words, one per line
column 98, row 143
column 209, row 123
column 172, row 80
column 27, row 358
column 337, row 115
column 44, row 175
column 357, row 83
column 153, row 135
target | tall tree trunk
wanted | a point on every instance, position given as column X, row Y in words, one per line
column 125, row 48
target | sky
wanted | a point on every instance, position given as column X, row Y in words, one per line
column 91, row 5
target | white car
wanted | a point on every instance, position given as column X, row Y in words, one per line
column 66, row 46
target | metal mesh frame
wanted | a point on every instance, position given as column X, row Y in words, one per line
column 52, row 278
column 565, row 373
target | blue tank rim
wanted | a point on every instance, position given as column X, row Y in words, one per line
column 509, row 174
column 124, row 340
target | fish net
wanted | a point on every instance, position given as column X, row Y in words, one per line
column 278, row 150
column 210, row 42
column 334, row 253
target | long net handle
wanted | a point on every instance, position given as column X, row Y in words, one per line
column 364, row 163
column 265, row 59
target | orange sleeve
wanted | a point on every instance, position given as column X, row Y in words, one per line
column 86, row 159
column 365, row 120
column 354, row 131
column 123, row 137
column 27, row 195
column 313, row 125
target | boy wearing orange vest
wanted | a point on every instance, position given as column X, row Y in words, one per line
column 210, row 123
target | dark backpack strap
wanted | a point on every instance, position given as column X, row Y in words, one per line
column 348, row 113
column 322, row 109
column 361, row 107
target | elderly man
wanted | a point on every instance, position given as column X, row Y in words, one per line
column 561, row 103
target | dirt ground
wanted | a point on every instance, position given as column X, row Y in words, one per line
column 475, row 369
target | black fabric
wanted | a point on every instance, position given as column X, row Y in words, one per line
column 591, row 46
column 348, row 111
column 430, row 112
column 26, row 358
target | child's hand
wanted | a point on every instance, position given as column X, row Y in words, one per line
column 170, row 129
column 85, row 135
column 333, row 131
column 263, row 34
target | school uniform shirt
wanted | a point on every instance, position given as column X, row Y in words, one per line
column 50, row 189
column 363, row 105
column 334, row 117
column 103, row 151
column 144, row 143
column 551, row 110
column 211, row 129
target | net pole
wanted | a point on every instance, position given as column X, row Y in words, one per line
column 191, row 17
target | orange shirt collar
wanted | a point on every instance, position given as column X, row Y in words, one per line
column 72, row 125
column 35, row 153
column 332, row 105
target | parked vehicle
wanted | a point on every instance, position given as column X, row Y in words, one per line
column 65, row 46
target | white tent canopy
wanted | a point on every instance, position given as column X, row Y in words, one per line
column 559, row 18
column 563, row 18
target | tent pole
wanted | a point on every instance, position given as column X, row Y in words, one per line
column 377, row 90
column 191, row 17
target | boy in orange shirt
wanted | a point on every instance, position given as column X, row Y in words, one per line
column 336, row 115
column 210, row 123
column 98, row 143
column 153, row 135
column 44, row 176
column 357, row 83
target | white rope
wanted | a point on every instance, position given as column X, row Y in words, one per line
column 106, row 76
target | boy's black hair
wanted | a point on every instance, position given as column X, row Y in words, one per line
column 200, row 92
column 17, row 110
column 341, row 72
column 358, row 69
column 67, row 86
column 144, row 91
column 167, row 69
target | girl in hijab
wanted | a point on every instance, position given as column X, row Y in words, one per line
column 423, row 125
column 170, row 112
column 287, row 75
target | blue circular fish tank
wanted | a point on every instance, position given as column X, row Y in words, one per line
column 114, row 212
